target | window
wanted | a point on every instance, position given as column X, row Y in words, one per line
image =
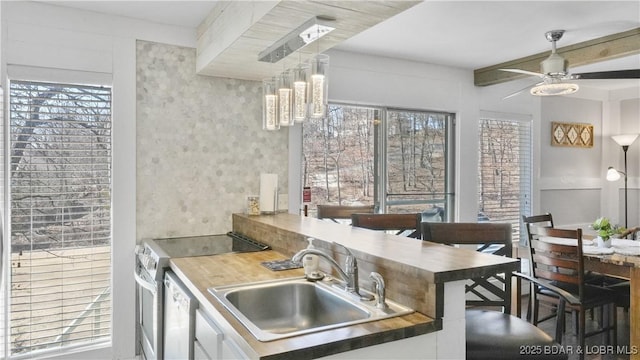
column 417, row 163
column 343, row 152
column 60, row 220
column 338, row 156
column 504, row 173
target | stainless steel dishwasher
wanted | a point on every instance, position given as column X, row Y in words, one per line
column 179, row 319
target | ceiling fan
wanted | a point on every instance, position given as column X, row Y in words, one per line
column 556, row 77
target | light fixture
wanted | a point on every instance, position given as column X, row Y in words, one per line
column 269, row 105
column 312, row 30
column 301, row 92
column 554, row 88
column 624, row 140
column 299, row 109
column 613, row 174
column 318, row 85
column 285, row 99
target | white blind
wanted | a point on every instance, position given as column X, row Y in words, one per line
column 504, row 174
column 60, row 185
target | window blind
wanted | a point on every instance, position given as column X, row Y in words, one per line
column 60, row 228
column 504, row 174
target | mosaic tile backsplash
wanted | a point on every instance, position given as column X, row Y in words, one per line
column 200, row 145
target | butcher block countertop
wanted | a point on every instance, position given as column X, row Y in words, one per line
column 415, row 273
column 200, row 273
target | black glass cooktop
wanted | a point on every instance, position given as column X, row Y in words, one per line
column 208, row 245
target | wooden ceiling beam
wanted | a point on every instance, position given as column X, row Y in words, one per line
column 235, row 32
column 584, row 53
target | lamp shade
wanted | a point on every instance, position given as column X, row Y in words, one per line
column 625, row 139
column 612, row 174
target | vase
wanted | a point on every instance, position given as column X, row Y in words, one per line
column 603, row 243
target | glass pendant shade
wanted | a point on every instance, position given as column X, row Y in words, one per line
column 285, row 97
column 270, row 119
column 318, row 86
column 299, row 94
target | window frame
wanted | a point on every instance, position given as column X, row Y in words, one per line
column 67, row 77
column 525, row 130
column 380, row 156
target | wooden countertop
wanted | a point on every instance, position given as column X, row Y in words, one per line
column 200, row 273
column 436, row 263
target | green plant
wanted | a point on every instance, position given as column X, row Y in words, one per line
column 605, row 229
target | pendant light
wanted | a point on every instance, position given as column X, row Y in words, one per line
column 318, row 86
column 285, row 99
column 299, row 77
column 270, row 119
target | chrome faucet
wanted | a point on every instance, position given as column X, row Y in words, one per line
column 349, row 275
column 378, row 284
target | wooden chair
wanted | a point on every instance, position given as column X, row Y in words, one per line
column 408, row 224
column 544, row 220
column 491, row 334
column 619, row 285
column 632, row 232
column 559, row 268
column 335, row 212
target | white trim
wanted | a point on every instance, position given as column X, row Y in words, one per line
column 34, row 73
column 505, row 116
column 569, row 183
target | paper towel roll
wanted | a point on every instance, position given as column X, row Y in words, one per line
column 268, row 193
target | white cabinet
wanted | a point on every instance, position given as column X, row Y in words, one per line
column 211, row 343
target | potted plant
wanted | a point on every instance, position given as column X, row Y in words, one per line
column 605, row 231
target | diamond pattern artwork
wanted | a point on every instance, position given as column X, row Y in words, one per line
column 571, row 134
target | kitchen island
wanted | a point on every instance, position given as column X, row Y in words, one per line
column 425, row 276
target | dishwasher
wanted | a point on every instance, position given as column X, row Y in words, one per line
column 179, row 319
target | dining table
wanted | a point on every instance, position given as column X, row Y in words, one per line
column 622, row 259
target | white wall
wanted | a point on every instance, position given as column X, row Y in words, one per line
column 561, row 176
column 45, row 36
column 570, row 182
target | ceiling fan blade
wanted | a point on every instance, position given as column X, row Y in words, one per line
column 521, row 90
column 531, row 73
column 614, row 74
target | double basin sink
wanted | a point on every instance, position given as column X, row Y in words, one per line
column 278, row 309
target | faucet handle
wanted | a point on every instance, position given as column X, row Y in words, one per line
column 378, row 284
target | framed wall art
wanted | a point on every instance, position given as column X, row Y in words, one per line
column 571, row 134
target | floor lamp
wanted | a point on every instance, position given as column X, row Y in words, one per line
column 612, row 174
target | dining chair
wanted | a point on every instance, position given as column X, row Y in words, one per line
column 558, row 266
column 544, row 220
column 407, row 224
column 631, row 232
column 620, row 286
column 342, row 212
column 491, row 334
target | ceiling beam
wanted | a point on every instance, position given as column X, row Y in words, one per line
column 235, row 32
column 584, row 53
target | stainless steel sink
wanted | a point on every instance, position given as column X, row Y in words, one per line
column 283, row 308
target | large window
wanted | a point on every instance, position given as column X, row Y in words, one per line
column 504, row 173
column 417, row 162
column 395, row 159
column 60, row 220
